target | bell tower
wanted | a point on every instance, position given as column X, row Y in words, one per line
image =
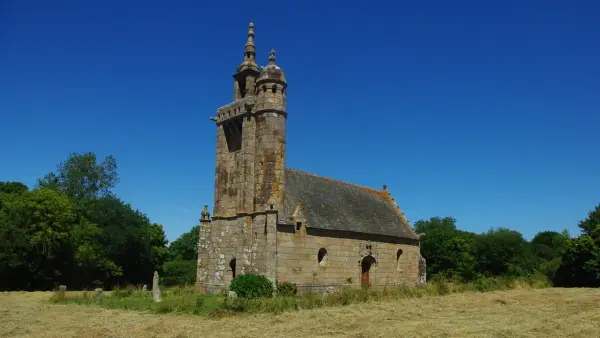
column 250, row 147
column 241, row 235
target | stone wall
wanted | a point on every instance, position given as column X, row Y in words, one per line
column 297, row 261
column 236, row 246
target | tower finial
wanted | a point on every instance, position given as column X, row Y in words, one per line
column 250, row 34
column 249, row 50
column 272, row 57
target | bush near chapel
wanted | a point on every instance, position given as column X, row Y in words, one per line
column 286, row 289
column 252, row 286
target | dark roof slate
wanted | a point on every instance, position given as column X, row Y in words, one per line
column 336, row 205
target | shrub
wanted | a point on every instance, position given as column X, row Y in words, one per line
column 122, row 293
column 252, row 286
column 286, row 289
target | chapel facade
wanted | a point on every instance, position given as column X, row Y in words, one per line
column 287, row 224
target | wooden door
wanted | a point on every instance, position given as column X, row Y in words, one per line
column 364, row 280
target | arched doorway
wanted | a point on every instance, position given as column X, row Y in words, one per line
column 366, row 264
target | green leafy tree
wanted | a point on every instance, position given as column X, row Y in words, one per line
column 550, row 244
column 580, row 266
column 591, row 225
column 127, row 239
column 179, row 272
column 580, row 263
column 13, row 187
column 503, row 252
column 158, row 244
column 185, row 247
column 80, row 176
column 448, row 251
column 35, row 226
column 91, row 263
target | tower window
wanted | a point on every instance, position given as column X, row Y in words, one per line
column 298, row 226
column 274, row 89
column 242, row 87
column 233, row 134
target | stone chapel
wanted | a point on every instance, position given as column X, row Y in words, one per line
column 287, row 224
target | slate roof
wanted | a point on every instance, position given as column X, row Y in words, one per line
column 336, row 205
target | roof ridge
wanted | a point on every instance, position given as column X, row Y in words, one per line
column 400, row 212
column 372, row 190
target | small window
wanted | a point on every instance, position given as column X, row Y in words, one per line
column 298, row 226
column 398, row 254
column 321, row 255
column 274, row 89
column 232, row 266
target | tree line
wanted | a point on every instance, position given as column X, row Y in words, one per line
column 71, row 229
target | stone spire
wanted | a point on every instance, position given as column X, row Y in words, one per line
column 249, row 51
column 272, row 57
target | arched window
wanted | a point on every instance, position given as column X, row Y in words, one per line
column 398, row 255
column 321, row 255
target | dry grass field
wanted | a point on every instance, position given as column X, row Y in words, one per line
column 548, row 312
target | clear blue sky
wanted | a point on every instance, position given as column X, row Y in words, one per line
column 486, row 111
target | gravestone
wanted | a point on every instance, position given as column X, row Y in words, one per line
column 144, row 289
column 156, row 296
column 62, row 288
column 98, row 293
column 422, row 270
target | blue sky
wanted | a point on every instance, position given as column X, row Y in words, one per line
column 486, row 111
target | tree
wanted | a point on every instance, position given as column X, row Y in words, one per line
column 503, row 252
column 580, row 266
column 179, row 272
column 158, row 244
column 34, row 235
column 549, row 245
column 186, row 246
column 13, row 187
column 447, row 249
column 580, row 262
column 591, row 225
column 80, row 176
column 91, row 264
column 128, row 238
column 183, row 259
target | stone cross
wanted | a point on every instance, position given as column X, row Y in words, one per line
column 155, row 288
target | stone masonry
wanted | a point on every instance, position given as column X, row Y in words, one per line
column 320, row 234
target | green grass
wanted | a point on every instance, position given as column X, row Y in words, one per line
column 183, row 300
